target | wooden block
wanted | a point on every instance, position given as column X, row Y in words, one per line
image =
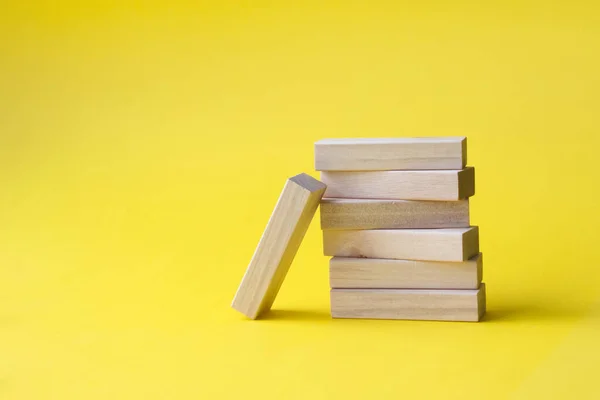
column 403, row 185
column 448, row 244
column 278, row 246
column 393, row 214
column 415, row 304
column 372, row 273
column 390, row 154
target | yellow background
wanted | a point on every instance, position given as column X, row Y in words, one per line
column 143, row 147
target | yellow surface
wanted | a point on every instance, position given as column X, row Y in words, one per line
column 143, row 147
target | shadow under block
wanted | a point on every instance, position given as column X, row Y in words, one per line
column 414, row 304
column 448, row 244
column 402, row 185
column 390, row 154
column 372, row 273
column 393, row 214
column 278, row 246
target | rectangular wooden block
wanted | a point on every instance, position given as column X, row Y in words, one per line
column 390, row 154
column 403, row 185
column 393, row 214
column 278, row 246
column 415, row 304
column 448, row 244
column 372, row 273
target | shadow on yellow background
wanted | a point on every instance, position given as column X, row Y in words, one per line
column 143, row 147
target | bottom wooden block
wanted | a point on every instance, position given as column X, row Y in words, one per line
column 415, row 304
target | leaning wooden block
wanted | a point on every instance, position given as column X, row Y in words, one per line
column 403, row 185
column 278, row 245
column 415, row 304
column 450, row 244
column 390, row 154
column 393, row 214
column 372, row 273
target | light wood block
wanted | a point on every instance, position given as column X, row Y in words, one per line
column 372, row 273
column 278, row 246
column 393, row 214
column 449, row 244
column 403, row 185
column 390, row 154
column 415, row 304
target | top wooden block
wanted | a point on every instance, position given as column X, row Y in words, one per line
column 278, row 246
column 391, row 154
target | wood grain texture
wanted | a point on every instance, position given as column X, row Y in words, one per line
column 413, row 304
column 278, row 246
column 393, row 214
column 448, row 244
column 391, row 154
column 401, row 185
column 372, row 273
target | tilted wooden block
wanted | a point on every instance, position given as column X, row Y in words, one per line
column 393, row 214
column 403, row 185
column 372, row 273
column 390, row 154
column 415, row 304
column 448, row 244
column 278, row 246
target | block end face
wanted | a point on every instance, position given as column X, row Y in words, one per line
column 467, row 211
column 308, row 182
column 322, row 222
column 479, row 260
column 481, row 302
column 466, row 183
column 326, row 244
column 321, row 159
column 331, row 272
column 470, row 243
column 463, row 145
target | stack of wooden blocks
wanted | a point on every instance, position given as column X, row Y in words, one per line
column 395, row 218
